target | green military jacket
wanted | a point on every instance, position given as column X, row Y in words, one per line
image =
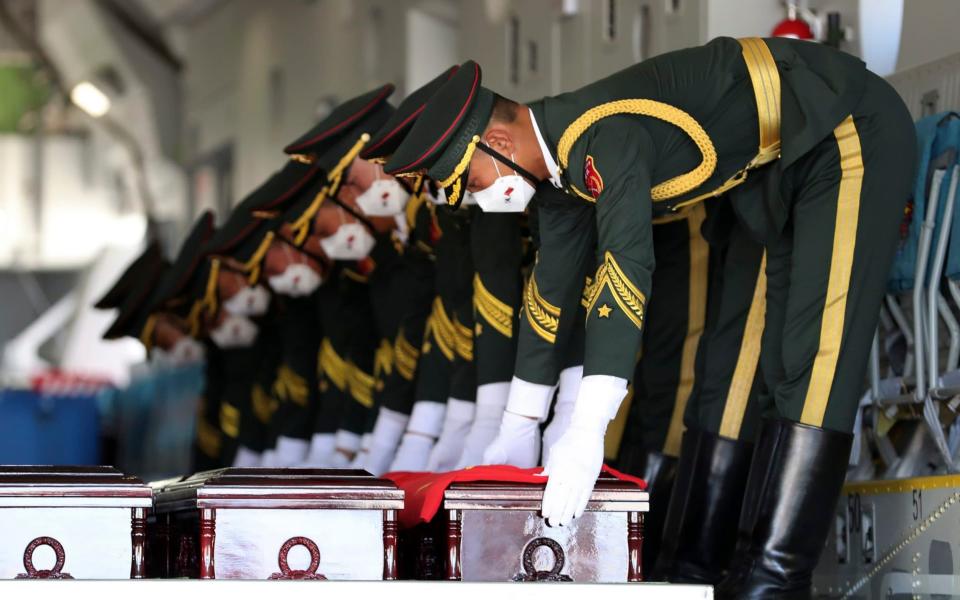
column 634, row 146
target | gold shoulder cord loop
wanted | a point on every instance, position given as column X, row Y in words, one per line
column 766, row 88
column 146, row 336
column 671, row 188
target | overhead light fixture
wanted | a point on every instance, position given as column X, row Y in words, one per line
column 90, row 99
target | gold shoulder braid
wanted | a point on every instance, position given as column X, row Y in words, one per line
column 146, row 335
column 671, row 188
column 405, row 356
column 333, row 367
column 630, row 299
column 417, row 198
column 361, row 385
column 443, row 330
column 543, row 317
column 496, row 312
column 765, row 79
column 290, row 386
column 383, row 359
column 229, row 420
column 210, row 297
column 464, row 339
column 263, row 405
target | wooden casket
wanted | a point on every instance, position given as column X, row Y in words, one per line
column 72, row 523
column 276, row 524
column 488, row 531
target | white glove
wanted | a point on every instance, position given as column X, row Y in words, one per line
column 269, row 458
column 321, row 451
column 386, row 435
column 361, row 458
column 446, row 452
column 518, row 441
column 426, row 421
column 577, row 457
column 246, row 458
column 290, row 451
column 491, row 402
column 562, row 408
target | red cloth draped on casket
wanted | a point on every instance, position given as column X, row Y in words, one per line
column 423, row 492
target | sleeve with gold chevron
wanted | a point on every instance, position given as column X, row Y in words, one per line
column 551, row 296
column 612, row 159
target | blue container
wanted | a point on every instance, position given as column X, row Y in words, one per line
column 44, row 429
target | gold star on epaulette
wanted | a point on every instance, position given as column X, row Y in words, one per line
column 426, row 348
column 478, row 329
column 604, row 311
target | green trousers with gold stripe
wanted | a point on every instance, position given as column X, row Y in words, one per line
column 724, row 398
column 827, row 271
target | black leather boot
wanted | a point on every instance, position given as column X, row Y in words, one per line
column 795, row 481
column 700, row 529
column 659, row 471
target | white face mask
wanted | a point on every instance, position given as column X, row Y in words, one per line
column 296, row 281
column 384, row 198
column 509, row 193
column 352, row 241
column 235, row 332
column 187, row 350
column 249, row 302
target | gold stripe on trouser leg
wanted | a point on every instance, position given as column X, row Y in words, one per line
column 743, row 374
column 841, row 265
column 699, row 256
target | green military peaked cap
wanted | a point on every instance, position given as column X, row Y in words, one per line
column 148, row 260
column 443, row 139
column 385, row 141
column 135, row 308
column 336, row 140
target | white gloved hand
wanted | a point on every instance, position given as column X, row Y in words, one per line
column 562, row 408
column 290, row 451
column 577, row 457
column 518, row 441
column 446, row 452
column 491, row 402
column 426, row 421
column 386, row 435
column 268, row 458
column 246, row 458
column 346, row 445
column 321, row 451
column 361, row 458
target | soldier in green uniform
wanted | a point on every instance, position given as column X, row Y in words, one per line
column 792, row 133
column 349, row 354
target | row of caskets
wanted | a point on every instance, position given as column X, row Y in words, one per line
column 96, row 523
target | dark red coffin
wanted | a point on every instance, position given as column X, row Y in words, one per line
column 276, row 524
column 71, row 523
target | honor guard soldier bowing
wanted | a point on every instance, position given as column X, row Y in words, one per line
column 415, row 274
column 816, row 156
column 347, row 352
